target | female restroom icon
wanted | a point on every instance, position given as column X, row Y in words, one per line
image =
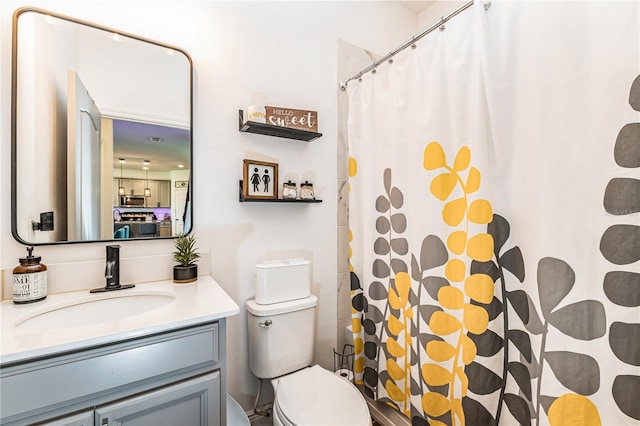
column 255, row 179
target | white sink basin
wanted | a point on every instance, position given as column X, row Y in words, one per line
column 93, row 309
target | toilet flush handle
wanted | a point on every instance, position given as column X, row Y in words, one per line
column 265, row 324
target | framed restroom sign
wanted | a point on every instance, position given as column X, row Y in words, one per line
column 292, row 118
column 259, row 180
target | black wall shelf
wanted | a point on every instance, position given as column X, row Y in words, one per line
column 271, row 200
column 277, row 131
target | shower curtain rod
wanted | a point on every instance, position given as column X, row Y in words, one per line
column 439, row 24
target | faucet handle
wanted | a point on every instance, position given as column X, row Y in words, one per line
column 108, row 270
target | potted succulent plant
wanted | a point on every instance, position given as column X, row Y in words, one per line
column 186, row 255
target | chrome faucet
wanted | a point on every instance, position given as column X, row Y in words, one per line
column 112, row 271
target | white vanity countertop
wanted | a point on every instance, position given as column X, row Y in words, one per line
column 194, row 303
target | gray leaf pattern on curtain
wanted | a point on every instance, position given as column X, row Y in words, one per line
column 438, row 344
column 620, row 245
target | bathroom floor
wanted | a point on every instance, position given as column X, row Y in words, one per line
column 267, row 421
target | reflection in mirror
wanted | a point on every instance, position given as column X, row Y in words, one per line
column 101, row 133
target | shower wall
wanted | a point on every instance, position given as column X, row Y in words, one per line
column 351, row 60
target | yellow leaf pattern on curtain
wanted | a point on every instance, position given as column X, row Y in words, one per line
column 471, row 342
column 572, row 409
column 459, row 316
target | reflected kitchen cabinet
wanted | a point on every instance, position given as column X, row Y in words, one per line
column 164, row 193
column 138, row 187
column 131, row 187
column 164, row 229
column 128, row 186
column 160, row 192
column 152, row 199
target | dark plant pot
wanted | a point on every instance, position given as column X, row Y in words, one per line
column 185, row 274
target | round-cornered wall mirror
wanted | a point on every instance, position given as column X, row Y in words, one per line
column 101, row 133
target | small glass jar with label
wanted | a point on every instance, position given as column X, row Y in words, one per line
column 29, row 279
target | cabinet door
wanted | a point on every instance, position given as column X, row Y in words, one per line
column 117, row 183
column 128, row 186
column 152, row 200
column 138, row 186
column 164, row 193
column 194, row 402
column 165, row 230
column 84, row 418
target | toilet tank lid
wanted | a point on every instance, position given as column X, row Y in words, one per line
column 282, row 263
column 281, row 308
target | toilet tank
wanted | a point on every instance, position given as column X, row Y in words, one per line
column 281, row 336
column 282, row 280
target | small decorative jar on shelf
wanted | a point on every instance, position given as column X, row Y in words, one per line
column 289, row 191
column 256, row 113
column 306, row 191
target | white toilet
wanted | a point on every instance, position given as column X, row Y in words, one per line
column 281, row 336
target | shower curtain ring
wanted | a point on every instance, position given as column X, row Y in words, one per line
column 442, row 21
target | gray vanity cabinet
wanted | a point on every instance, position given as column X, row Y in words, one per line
column 84, row 418
column 192, row 402
column 172, row 378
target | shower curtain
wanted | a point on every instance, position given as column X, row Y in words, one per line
column 494, row 218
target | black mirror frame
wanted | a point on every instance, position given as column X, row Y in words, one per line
column 14, row 140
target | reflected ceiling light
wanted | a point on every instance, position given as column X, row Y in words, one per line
column 120, row 186
column 180, row 166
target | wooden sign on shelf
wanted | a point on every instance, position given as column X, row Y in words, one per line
column 292, row 118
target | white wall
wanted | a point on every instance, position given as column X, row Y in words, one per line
column 283, row 52
column 436, row 11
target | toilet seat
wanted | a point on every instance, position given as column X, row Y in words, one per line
column 315, row 396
